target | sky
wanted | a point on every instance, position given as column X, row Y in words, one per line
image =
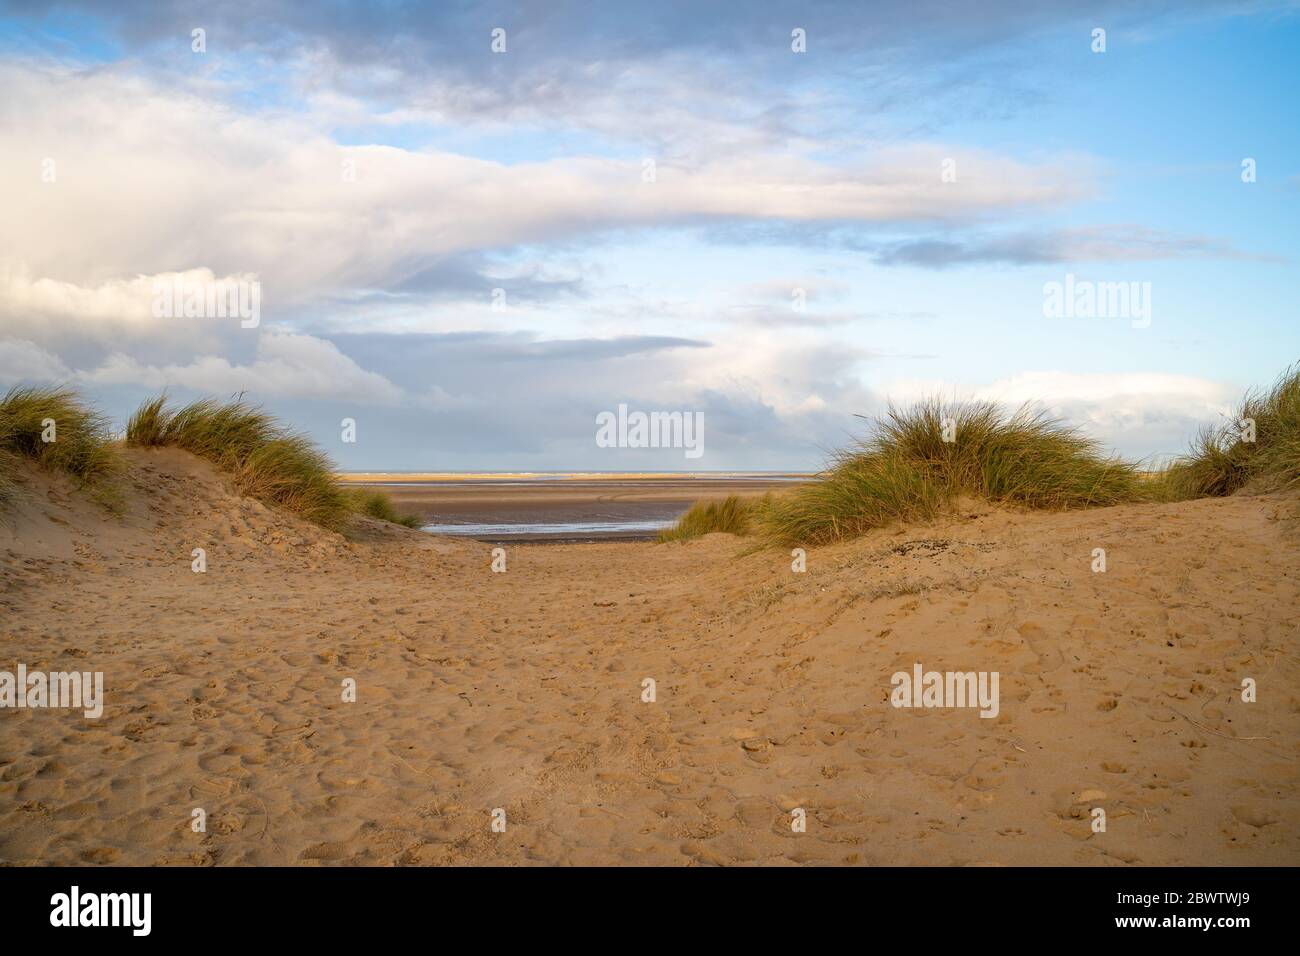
column 473, row 228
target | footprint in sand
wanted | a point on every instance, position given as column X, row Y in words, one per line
column 1046, row 648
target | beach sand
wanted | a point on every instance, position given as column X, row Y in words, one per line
column 523, row 690
column 482, row 499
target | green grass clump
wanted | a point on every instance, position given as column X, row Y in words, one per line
column 905, row 470
column 858, row 492
column 8, row 477
column 1221, row 462
column 266, row 460
column 732, row 515
column 82, row 445
column 376, row 504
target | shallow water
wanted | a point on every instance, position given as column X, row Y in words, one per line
column 551, row 529
column 550, row 508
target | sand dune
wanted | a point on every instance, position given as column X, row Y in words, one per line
column 523, row 690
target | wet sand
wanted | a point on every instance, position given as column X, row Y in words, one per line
column 561, row 499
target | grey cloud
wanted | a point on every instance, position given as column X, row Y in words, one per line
column 1119, row 243
column 512, row 401
column 459, row 356
column 415, row 34
column 1123, row 242
column 470, row 277
column 566, row 58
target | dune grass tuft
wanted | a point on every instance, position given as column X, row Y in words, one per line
column 8, row 478
column 732, row 515
column 266, row 460
column 376, row 504
column 54, row 428
column 148, row 426
column 906, row 470
column 1223, row 461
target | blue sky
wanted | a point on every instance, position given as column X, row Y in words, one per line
column 775, row 172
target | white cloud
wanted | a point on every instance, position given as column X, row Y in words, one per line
column 153, row 179
column 288, row 365
column 110, row 312
column 21, row 360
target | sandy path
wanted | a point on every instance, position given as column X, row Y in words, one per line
column 522, row 691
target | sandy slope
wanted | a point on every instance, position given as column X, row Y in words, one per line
column 523, row 690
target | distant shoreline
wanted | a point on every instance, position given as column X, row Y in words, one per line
column 521, row 506
column 407, row 477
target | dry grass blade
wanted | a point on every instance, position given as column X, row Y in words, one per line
column 54, row 428
column 266, row 460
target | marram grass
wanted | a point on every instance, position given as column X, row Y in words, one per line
column 732, row 515
column 376, row 504
column 917, row 461
column 905, row 470
column 1258, row 448
column 266, row 460
column 54, row 428
column 8, row 477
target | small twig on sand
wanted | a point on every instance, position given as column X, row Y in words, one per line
column 1209, row 730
